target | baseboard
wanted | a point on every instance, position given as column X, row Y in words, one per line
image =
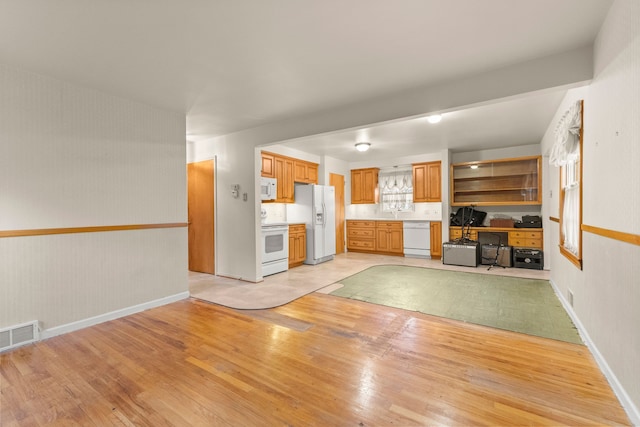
column 80, row 324
column 626, row 402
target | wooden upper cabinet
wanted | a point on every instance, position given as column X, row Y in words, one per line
column 514, row 181
column 268, row 165
column 306, row 172
column 364, row 186
column 427, row 182
column 284, row 175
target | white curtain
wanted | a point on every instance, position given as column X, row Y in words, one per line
column 567, row 136
column 565, row 153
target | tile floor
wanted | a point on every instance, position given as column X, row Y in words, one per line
column 309, row 278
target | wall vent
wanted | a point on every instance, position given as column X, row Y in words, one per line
column 17, row 335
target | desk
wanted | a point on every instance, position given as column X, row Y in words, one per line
column 517, row 237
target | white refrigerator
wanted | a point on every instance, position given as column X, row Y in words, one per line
column 315, row 205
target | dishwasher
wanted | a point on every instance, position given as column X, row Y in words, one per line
column 417, row 239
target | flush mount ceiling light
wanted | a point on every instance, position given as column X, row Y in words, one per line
column 362, row 146
column 474, row 166
column 434, row 118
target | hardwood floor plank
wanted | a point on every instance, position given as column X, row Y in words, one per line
column 354, row 363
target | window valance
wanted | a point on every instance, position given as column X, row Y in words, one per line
column 567, row 136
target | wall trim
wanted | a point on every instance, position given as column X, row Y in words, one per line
column 91, row 321
column 621, row 236
column 93, row 229
column 634, row 239
column 630, row 408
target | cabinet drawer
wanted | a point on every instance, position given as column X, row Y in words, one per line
column 361, row 244
column 361, row 232
column 391, row 225
column 517, row 235
column 363, row 224
column 297, row 228
column 534, row 243
column 518, row 242
column 533, row 235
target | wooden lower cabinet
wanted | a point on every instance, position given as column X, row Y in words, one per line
column 361, row 236
column 525, row 239
column 436, row 239
column 389, row 237
column 381, row 237
column 297, row 244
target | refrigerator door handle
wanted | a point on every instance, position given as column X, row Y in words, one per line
column 324, row 215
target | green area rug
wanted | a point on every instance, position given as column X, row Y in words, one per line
column 529, row 306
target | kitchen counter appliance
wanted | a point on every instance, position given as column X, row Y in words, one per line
column 417, row 239
column 275, row 248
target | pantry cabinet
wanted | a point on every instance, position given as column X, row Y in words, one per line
column 427, row 182
column 364, row 186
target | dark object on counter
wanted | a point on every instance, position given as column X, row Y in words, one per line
column 467, row 216
column 529, row 221
column 528, row 258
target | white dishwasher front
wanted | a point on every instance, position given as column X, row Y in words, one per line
column 417, row 239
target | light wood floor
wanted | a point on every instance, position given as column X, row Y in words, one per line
column 318, row 361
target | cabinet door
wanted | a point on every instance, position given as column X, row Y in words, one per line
column 268, row 166
column 419, row 183
column 436, row 239
column 427, row 178
column 370, row 186
column 312, row 173
column 356, row 186
column 284, row 174
column 293, row 255
column 433, row 193
column 301, row 172
column 382, row 240
column 396, row 244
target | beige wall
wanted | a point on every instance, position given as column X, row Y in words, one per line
column 607, row 290
column 73, row 157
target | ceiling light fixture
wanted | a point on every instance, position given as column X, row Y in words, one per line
column 434, row 118
column 362, row 146
column 474, row 166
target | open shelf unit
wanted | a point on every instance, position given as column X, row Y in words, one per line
column 516, row 181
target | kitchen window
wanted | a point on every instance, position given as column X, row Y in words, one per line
column 396, row 189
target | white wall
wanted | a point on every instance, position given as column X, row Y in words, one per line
column 237, row 221
column 73, row 157
column 607, row 290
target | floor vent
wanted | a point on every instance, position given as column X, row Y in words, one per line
column 17, row 335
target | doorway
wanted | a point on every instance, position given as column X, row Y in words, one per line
column 338, row 182
column 200, row 211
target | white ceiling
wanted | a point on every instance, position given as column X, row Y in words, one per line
column 235, row 65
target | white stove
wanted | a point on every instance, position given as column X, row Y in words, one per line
column 275, row 248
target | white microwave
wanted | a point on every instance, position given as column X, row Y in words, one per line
column 268, row 188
